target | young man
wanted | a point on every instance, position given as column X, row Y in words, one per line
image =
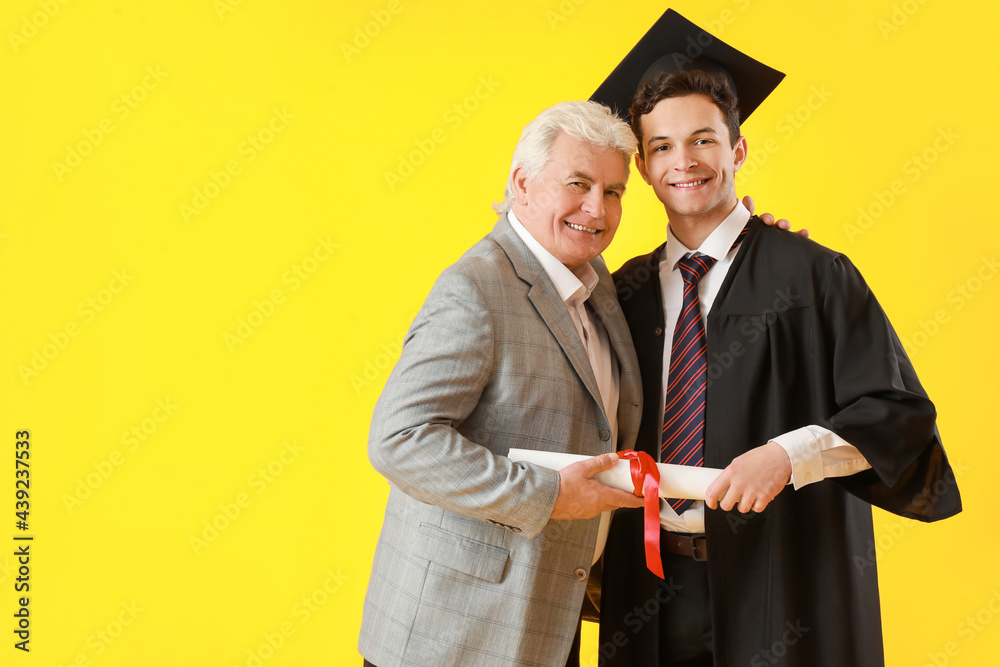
column 766, row 355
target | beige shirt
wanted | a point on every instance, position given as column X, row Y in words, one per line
column 574, row 288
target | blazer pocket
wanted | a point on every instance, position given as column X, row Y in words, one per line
column 477, row 559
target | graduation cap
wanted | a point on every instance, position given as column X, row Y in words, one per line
column 674, row 44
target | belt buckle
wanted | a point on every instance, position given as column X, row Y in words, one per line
column 694, row 548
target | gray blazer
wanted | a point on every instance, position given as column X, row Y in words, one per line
column 469, row 570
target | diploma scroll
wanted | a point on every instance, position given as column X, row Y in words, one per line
column 675, row 481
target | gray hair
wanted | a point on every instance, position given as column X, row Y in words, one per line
column 589, row 122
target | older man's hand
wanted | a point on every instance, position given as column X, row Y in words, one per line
column 768, row 219
column 582, row 497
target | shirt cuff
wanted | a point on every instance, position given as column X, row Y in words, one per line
column 817, row 453
column 804, row 451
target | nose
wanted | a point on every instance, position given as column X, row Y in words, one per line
column 593, row 203
column 684, row 159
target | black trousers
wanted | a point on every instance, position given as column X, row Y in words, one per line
column 685, row 622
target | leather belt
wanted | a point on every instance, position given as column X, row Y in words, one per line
column 693, row 546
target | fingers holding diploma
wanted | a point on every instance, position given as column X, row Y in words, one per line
column 749, row 483
column 675, row 481
column 582, row 496
column 752, row 480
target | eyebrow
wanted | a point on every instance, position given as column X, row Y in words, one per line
column 620, row 187
column 704, row 130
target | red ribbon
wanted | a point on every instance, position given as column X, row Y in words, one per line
column 646, row 482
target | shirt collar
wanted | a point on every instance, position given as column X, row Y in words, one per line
column 718, row 243
column 578, row 282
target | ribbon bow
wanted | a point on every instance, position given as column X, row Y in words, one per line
column 646, row 482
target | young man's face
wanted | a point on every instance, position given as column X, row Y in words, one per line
column 688, row 159
column 574, row 206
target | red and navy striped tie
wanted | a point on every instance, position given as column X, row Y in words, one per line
column 684, row 412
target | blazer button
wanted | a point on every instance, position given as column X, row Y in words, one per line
column 581, row 574
column 659, row 331
column 515, row 529
column 604, row 434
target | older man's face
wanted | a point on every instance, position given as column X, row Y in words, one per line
column 574, row 207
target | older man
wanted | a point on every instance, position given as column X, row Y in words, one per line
column 521, row 343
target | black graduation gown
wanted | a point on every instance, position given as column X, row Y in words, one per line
column 795, row 337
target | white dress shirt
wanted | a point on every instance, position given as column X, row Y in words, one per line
column 815, row 452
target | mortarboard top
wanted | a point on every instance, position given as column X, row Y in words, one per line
column 674, row 43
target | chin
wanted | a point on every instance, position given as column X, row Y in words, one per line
column 686, row 210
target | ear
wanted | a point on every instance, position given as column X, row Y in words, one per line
column 640, row 165
column 520, row 180
column 739, row 153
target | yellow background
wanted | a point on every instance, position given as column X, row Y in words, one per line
column 247, row 341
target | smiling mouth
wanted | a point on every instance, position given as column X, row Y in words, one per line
column 689, row 184
column 581, row 228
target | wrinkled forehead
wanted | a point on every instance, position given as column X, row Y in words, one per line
column 569, row 155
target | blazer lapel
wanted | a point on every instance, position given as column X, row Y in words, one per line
column 550, row 306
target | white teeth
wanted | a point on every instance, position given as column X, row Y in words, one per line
column 582, row 228
column 690, row 185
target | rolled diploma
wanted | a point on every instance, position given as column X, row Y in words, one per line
column 675, row 481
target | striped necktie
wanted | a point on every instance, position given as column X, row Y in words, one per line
column 683, row 434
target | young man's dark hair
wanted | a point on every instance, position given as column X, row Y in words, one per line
column 680, row 84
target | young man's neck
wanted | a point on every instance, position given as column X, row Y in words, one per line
column 692, row 230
